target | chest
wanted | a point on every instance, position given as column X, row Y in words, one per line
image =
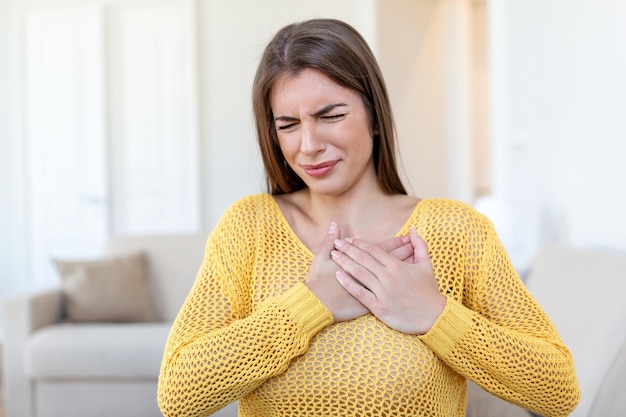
column 279, row 264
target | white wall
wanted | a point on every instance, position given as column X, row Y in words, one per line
column 7, row 284
column 412, row 60
column 6, row 185
column 559, row 119
column 429, row 54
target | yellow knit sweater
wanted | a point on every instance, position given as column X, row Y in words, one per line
column 251, row 331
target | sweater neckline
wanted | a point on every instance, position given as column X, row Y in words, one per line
column 404, row 230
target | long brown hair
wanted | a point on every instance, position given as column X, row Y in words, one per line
column 340, row 52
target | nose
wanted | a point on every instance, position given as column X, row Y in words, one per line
column 310, row 142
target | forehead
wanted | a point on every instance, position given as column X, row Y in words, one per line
column 309, row 87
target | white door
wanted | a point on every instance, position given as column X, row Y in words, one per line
column 107, row 136
column 63, row 134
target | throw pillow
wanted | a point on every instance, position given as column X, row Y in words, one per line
column 106, row 290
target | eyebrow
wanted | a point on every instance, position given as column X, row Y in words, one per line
column 326, row 109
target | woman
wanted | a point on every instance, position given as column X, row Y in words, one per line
column 338, row 294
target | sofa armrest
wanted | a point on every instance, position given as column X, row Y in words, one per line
column 28, row 312
column 24, row 314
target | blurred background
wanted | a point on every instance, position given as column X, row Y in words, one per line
column 123, row 117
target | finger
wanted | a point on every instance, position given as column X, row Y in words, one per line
column 420, row 248
column 357, row 263
column 355, row 288
column 399, row 247
column 394, row 243
column 403, row 253
column 364, row 252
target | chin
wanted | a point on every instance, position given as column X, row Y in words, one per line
column 328, row 191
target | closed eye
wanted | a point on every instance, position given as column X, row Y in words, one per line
column 334, row 117
column 285, row 122
column 285, row 127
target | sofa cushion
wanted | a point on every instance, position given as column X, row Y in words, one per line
column 109, row 289
column 173, row 264
column 97, row 351
column 102, row 398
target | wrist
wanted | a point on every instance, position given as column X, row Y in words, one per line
column 438, row 307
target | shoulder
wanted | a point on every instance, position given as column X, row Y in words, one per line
column 252, row 199
column 448, row 207
column 251, row 203
column 238, row 227
column 248, row 209
column 451, row 215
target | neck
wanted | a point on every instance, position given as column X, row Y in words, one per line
column 354, row 213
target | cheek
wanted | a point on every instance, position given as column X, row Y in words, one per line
column 360, row 139
column 366, row 148
column 287, row 147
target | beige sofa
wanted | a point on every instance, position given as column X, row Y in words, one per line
column 61, row 369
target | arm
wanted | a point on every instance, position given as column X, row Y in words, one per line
column 218, row 349
column 500, row 338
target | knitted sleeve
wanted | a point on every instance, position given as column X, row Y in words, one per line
column 218, row 349
column 498, row 336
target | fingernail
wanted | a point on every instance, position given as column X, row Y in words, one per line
column 340, row 275
column 335, row 254
column 349, row 240
column 333, row 228
column 338, row 243
column 405, row 239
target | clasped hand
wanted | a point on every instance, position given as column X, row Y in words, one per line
column 394, row 280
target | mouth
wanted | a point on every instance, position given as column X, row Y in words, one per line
column 319, row 170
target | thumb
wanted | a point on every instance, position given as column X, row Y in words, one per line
column 420, row 248
column 329, row 241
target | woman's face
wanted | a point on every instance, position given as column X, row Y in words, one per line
column 324, row 132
